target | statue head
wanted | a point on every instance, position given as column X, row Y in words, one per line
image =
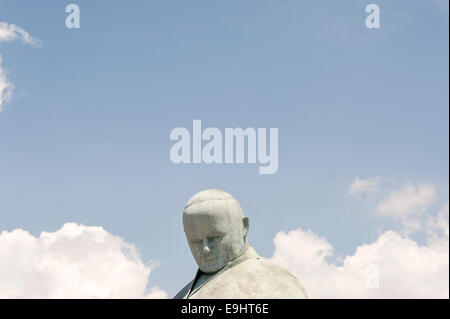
column 216, row 229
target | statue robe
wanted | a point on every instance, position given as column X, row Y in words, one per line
column 248, row 276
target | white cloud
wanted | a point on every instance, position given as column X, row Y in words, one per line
column 439, row 223
column 398, row 265
column 6, row 86
column 75, row 261
column 12, row 32
column 369, row 185
column 408, row 201
column 405, row 204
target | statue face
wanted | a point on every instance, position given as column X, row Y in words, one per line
column 215, row 238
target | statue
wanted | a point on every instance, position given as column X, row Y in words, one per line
column 229, row 268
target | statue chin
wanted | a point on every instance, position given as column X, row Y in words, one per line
column 211, row 268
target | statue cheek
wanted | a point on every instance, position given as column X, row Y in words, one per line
column 228, row 253
column 196, row 250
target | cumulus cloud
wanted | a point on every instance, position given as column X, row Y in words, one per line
column 405, row 204
column 75, row 261
column 369, row 185
column 12, row 32
column 408, row 201
column 393, row 266
column 6, row 86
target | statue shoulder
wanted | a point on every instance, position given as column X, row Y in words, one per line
column 279, row 282
column 276, row 269
column 255, row 277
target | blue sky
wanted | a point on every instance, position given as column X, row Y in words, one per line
column 85, row 137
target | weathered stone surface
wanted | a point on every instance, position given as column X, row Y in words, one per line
column 216, row 230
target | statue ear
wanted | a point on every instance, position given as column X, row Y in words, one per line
column 246, row 225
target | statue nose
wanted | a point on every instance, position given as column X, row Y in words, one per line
column 206, row 249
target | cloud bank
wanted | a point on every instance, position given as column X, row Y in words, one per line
column 397, row 266
column 75, row 261
column 393, row 266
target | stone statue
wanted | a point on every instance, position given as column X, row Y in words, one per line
column 229, row 268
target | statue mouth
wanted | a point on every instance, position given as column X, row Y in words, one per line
column 209, row 260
